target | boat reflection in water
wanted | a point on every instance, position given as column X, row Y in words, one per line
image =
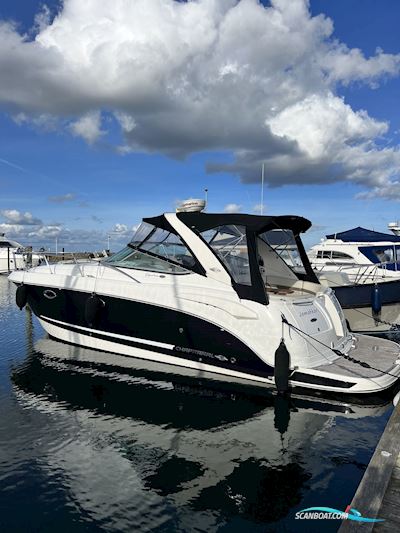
column 144, row 446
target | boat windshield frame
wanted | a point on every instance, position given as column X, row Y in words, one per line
column 293, row 240
column 138, row 245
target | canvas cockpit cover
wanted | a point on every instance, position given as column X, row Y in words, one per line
column 255, row 225
column 360, row 234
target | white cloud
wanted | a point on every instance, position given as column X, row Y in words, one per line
column 184, row 77
column 88, row 127
column 259, row 209
column 122, row 230
column 126, row 122
column 232, row 208
column 61, row 199
column 29, row 230
column 347, row 66
column 387, row 191
column 13, row 216
column 319, row 124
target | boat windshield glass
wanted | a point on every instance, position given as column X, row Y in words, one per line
column 155, row 249
column 230, row 245
column 284, row 243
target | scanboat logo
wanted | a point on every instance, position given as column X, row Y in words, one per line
column 328, row 513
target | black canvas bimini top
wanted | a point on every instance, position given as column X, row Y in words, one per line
column 254, row 223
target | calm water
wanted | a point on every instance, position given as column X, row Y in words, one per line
column 89, row 446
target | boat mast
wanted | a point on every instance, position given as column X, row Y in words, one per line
column 262, row 190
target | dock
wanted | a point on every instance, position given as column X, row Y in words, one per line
column 378, row 494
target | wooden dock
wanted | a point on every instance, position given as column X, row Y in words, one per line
column 378, row 494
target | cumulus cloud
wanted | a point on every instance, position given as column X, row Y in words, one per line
column 61, row 199
column 30, row 230
column 122, row 230
column 387, row 191
column 14, row 217
column 260, row 82
column 70, row 239
column 88, row 127
column 232, row 208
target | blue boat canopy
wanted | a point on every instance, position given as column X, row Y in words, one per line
column 363, row 235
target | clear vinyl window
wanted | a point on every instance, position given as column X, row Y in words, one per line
column 284, row 243
column 155, row 249
column 230, row 245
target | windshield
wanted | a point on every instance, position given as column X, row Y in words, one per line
column 230, row 245
column 284, row 243
column 129, row 258
column 155, row 249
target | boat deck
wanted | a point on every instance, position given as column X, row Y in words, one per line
column 378, row 353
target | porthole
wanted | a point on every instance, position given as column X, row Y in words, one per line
column 49, row 294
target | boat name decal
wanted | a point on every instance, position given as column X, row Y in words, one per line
column 309, row 312
column 201, row 353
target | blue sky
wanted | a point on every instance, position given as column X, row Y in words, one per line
column 103, row 123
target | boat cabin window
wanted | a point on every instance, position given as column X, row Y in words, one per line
column 328, row 254
column 5, row 244
column 155, row 249
column 381, row 254
column 283, row 242
column 323, row 254
column 340, row 255
column 230, row 245
column 384, row 255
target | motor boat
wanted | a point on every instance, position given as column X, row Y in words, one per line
column 14, row 256
column 363, row 268
column 214, row 293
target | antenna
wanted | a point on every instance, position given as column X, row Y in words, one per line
column 206, row 198
column 262, row 190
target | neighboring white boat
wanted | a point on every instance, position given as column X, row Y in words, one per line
column 14, row 256
column 363, row 268
column 394, row 227
column 216, row 294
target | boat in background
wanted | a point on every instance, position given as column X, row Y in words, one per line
column 226, row 294
column 394, row 227
column 363, row 268
column 14, row 256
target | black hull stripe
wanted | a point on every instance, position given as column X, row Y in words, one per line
column 296, row 376
column 211, row 360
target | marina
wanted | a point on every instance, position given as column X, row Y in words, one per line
column 177, row 450
column 199, row 266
